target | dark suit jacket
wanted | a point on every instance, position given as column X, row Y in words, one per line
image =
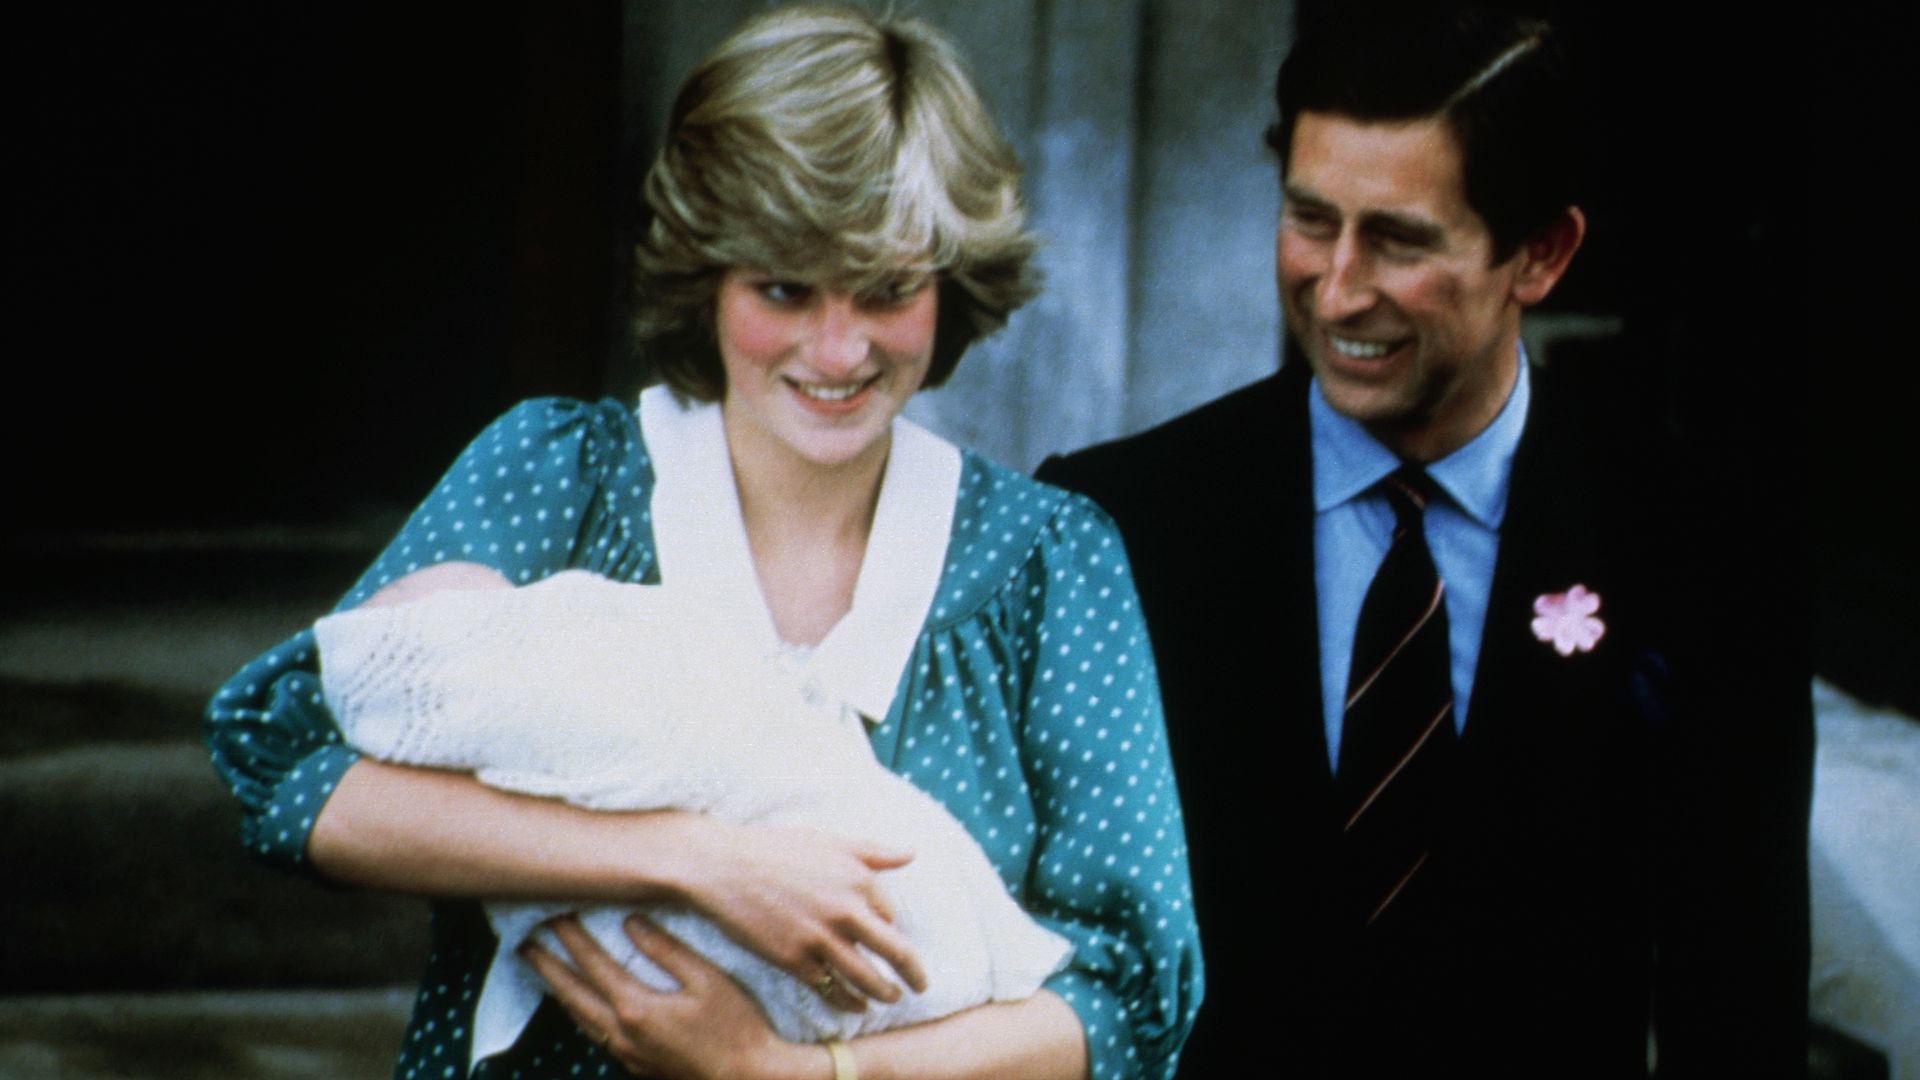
column 1626, row 838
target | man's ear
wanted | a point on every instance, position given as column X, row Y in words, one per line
column 1545, row 254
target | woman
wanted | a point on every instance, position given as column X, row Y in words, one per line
column 834, row 220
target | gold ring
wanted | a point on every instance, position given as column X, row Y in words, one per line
column 824, row 984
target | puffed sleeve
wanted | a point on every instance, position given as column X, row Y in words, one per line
column 551, row 484
column 1109, row 869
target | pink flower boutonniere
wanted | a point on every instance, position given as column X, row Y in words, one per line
column 1567, row 620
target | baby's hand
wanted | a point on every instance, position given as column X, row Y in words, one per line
column 441, row 577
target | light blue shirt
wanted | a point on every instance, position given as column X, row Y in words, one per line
column 1353, row 525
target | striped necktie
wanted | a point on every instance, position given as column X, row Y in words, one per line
column 1397, row 737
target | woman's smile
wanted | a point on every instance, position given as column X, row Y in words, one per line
column 831, row 394
column 833, row 398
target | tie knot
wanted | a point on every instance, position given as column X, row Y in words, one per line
column 1408, row 490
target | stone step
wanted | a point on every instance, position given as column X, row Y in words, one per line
column 120, row 843
column 178, row 620
column 126, row 872
column 284, row 1034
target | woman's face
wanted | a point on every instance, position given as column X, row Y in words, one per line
column 819, row 373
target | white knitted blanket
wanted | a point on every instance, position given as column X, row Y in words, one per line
column 628, row 697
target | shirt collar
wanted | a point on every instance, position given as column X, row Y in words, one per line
column 701, row 541
column 1347, row 461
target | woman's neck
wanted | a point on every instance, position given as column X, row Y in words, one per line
column 807, row 526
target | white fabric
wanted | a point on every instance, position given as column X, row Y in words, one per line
column 617, row 696
column 701, row 542
column 1864, row 840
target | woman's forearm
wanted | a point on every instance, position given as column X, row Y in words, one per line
column 1039, row 1038
column 437, row 833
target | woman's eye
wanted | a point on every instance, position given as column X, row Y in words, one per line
column 783, row 292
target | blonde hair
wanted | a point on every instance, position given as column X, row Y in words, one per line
column 839, row 148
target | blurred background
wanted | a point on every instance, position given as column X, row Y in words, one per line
column 269, row 266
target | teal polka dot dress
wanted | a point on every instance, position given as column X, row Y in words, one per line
column 1029, row 707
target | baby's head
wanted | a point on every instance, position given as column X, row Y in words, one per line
column 441, row 577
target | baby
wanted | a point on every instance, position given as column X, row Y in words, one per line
column 634, row 697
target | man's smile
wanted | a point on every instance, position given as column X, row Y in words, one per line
column 1360, row 350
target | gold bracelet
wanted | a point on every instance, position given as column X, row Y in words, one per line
column 843, row 1068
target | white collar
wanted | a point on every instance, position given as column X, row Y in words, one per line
column 701, row 540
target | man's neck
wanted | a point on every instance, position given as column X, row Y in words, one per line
column 1462, row 413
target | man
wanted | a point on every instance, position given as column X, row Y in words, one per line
column 1492, row 763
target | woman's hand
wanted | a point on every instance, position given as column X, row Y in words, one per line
column 803, row 900
column 709, row 1030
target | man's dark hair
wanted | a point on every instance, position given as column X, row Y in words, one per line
column 1499, row 80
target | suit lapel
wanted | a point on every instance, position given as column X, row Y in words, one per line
column 1297, row 599
column 1533, row 707
column 1548, row 544
column 1274, row 605
column 1243, row 667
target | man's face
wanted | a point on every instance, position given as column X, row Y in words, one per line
column 1388, row 281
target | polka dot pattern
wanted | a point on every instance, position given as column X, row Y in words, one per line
column 1029, row 708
